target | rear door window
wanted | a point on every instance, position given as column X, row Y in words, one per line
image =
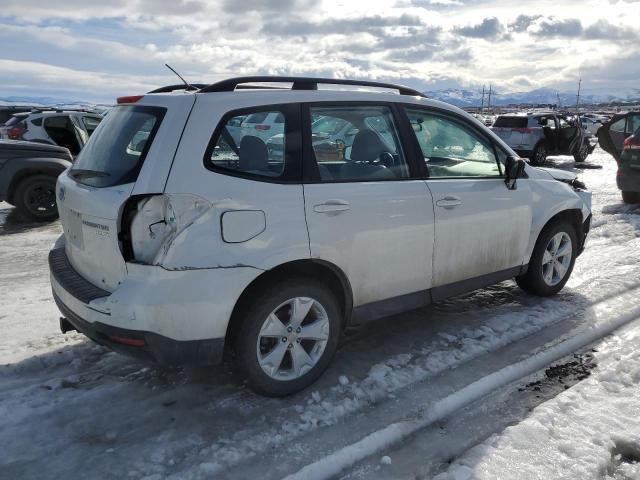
column 511, row 122
column 633, row 123
column 356, row 143
column 618, row 126
column 117, row 149
column 257, row 149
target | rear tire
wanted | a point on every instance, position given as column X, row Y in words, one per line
column 631, row 197
column 281, row 352
column 540, row 154
column 35, row 198
column 552, row 261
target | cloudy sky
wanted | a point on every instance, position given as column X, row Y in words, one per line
column 96, row 50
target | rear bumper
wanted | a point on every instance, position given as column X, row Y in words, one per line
column 149, row 345
column 180, row 316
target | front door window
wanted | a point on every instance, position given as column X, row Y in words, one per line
column 451, row 149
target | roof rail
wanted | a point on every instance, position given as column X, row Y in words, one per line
column 179, row 86
column 62, row 109
column 302, row 83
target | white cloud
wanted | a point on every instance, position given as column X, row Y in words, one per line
column 77, row 44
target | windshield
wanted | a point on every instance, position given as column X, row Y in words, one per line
column 116, row 151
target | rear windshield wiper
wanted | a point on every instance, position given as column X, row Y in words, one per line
column 81, row 173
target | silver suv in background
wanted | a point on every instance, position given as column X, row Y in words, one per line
column 538, row 135
column 66, row 128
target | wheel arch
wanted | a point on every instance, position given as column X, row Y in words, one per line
column 330, row 274
column 572, row 215
column 52, row 169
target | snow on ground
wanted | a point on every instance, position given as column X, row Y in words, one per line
column 591, row 431
column 70, row 407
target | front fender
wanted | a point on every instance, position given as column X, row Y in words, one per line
column 551, row 197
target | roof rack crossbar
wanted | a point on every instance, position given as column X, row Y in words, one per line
column 179, row 86
column 303, row 83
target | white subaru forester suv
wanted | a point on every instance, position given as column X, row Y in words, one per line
column 183, row 242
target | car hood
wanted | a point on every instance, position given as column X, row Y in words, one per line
column 558, row 174
column 31, row 146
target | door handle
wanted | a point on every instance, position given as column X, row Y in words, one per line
column 449, row 201
column 332, row 206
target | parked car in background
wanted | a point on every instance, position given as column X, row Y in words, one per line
column 332, row 138
column 12, row 127
column 66, row 128
column 621, row 138
column 538, row 135
column 180, row 257
column 263, row 125
column 28, row 173
column 590, row 125
column 597, row 117
column 7, row 111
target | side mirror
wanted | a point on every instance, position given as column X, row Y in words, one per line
column 514, row 170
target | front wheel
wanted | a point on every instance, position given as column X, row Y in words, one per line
column 552, row 261
column 582, row 153
column 288, row 336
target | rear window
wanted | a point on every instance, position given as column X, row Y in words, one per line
column 14, row 120
column 116, row 151
column 511, row 122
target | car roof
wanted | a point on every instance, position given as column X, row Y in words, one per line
column 289, row 89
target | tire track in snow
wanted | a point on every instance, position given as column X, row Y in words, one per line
column 393, row 433
column 390, row 381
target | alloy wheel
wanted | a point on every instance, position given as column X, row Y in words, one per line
column 557, row 258
column 293, row 338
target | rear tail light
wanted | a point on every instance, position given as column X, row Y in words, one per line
column 129, row 99
column 150, row 224
column 522, row 130
column 262, row 127
column 15, row 133
column 631, row 143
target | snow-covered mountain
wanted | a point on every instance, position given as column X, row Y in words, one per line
column 468, row 98
column 456, row 96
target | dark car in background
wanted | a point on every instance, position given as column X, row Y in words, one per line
column 28, row 174
column 621, row 138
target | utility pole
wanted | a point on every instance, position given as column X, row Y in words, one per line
column 489, row 102
column 482, row 104
column 578, row 96
column 559, row 106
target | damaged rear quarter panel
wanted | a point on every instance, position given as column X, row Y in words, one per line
column 201, row 245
